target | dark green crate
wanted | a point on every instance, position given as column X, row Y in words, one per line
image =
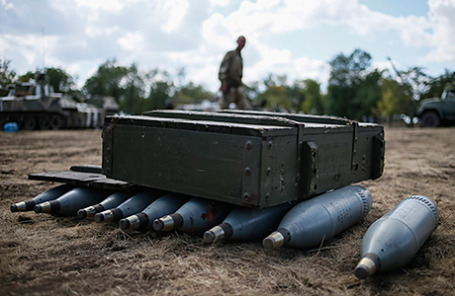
column 245, row 158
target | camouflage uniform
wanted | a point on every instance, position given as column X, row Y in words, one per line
column 230, row 75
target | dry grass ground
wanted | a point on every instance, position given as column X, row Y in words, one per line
column 46, row 255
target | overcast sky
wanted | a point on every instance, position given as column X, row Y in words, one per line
column 297, row 38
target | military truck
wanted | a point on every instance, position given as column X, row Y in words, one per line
column 34, row 105
column 437, row 112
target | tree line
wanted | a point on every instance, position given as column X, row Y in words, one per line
column 355, row 89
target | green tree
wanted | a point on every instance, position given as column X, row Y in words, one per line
column 275, row 95
column 396, row 98
column 132, row 100
column 107, row 80
column 161, row 90
column 367, row 96
column 296, row 94
column 252, row 91
column 58, row 79
column 313, row 102
column 61, row 81
column 277, row 98
column 346, row 76
column 413, row 83
column 160, row 94
column 191, row 93
column 7, row 75
column 436, row 85
column 26, row 77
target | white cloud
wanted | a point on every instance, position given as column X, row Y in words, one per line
column 265, row 17
column 131, row 41
column 283, row 62
column 442, row 41
column 172, row 13
column 7, row 5
column 81, row 34
column 31, row 50
column 112, row 5
column 222, row 3
column 95, row 31
column 261, row 20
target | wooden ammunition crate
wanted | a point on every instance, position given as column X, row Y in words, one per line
column 244, row 158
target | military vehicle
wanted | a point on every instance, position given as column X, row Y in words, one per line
column 33, row 105
column 202, row 165
column 436, row 112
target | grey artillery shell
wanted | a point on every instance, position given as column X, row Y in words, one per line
column 247, row 224
column 164, row 205
column 314, row 221
column 249, row 159
column 70, row 202
column 132, row 205
column 195, row 216
column 394, row 239
column 47, row 195
column 110, row 202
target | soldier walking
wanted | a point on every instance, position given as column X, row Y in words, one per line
column 230, row 75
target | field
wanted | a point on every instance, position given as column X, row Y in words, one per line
column 45, row 255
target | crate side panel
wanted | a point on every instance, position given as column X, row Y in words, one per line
column 343, row 156
column 210, row 165
column 279, row 170
column 365, row 156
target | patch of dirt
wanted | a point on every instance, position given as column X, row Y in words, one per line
column 46, row 255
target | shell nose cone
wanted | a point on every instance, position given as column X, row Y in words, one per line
column 166, row 223
column 158, row 224
column 105, row 216
column 37, row 209
column 88, row 212
column 365, row 268
column 273, row 241
column 124, row 224
column 213, row 235
column 13, row 207
column 44, row 207
column 22, row 206
column 82, row 214
column 361, row 272
column 99, row 217
column 131, row 222
column 209, row 237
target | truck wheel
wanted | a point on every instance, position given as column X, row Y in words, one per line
column 44, row 122
column 56, row 122
column 3, row 121
column 430, row 119
column 30, row 123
